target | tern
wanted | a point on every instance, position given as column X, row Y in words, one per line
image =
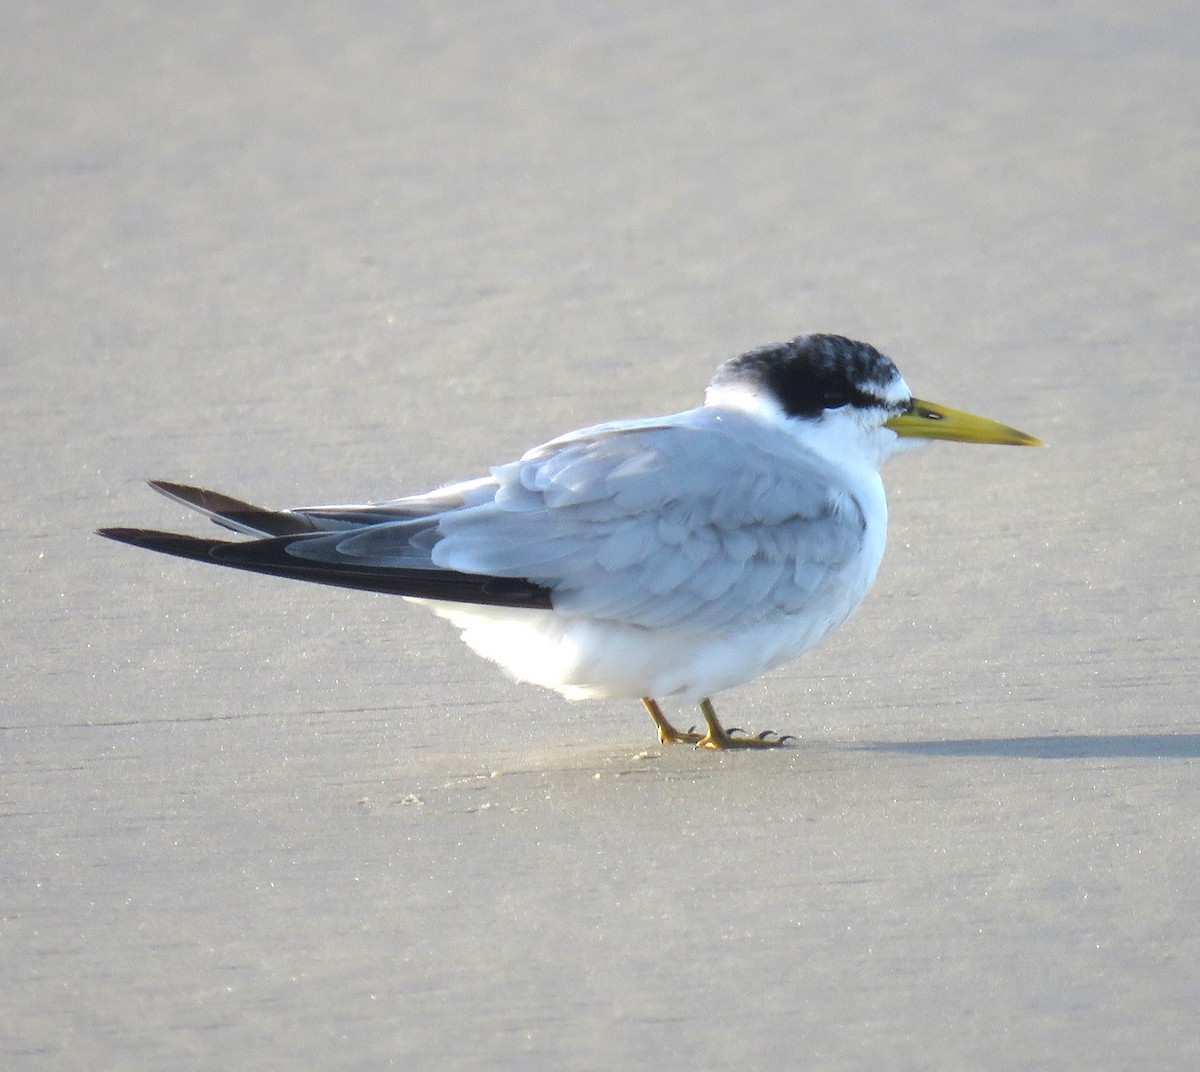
column 672, row 556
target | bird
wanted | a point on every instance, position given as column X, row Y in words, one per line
column 656, row 558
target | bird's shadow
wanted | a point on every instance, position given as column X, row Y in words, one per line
column 1086, row 746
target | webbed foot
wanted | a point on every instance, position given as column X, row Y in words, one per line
column 716, row 736
column 721, row 738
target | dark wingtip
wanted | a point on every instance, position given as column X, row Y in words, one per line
column 169, row 543
column 137, row 537
column 272, row 558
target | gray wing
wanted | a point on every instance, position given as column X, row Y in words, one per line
column 703, row 520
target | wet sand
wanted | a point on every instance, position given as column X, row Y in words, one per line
column 306, row 257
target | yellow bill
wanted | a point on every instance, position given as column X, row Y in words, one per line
column 927, row 420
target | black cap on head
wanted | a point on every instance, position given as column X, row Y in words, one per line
column 813, row 373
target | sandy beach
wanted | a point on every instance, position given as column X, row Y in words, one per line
column 314, row 253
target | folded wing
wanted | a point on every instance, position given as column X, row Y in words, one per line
column 704, row 520
column 699, row 521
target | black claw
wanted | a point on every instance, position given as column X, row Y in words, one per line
column 734, row 729
column 691, row 729
column 788, row 737
column 765, row 734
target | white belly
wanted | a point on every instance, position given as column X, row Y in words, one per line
column 584, row 658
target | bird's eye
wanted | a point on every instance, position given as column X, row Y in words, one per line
column 834, row 398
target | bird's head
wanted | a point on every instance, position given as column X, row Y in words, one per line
column 844, row 399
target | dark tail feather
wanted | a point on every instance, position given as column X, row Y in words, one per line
column 233, row 513
column 271, row 557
